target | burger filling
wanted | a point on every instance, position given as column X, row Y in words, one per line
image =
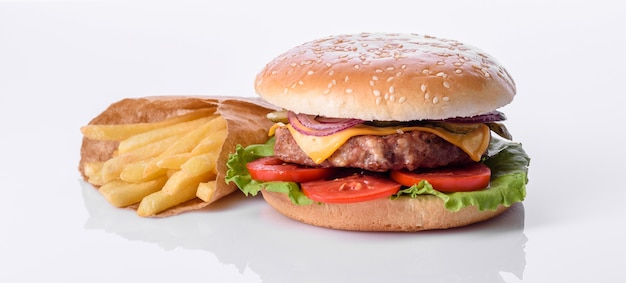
column 436, row 157
column 405, row 150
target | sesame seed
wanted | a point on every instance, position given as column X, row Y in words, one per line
column 293, row 64
column 330, row 85
column 389, row 79
column 300, row 82
column 392, row 98
column 402, row 99
column 372, row 83
column 403, row 67
column 458, row 71
column 398, row 74
column 346, row 79
column 310, row 72
column 331, row 72
column 328, row 65
column 349, row 90
column 376, row 92
column 445, row 98
column 391, row 68
column 274, row 72
column 423, row 87
column 378, row 71
column 435, row 100
column 374, row 78
column 327, row 91
column 357, row 66
column 446, row 84
column 427, row 95
column 286, row 90
column 487, row 75
column 379, row 100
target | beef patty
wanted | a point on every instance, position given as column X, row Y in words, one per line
column 410, row 150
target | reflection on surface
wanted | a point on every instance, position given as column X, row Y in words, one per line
column 247, row 233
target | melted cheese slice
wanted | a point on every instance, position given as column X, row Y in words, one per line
column 474, row 143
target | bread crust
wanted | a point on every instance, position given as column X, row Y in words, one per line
column 381, row 215
column 399, row 77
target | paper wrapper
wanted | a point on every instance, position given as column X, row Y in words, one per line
column 246, row 124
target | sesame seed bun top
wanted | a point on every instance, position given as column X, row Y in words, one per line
column 386, row 77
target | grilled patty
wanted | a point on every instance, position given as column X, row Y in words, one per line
column 410, row 150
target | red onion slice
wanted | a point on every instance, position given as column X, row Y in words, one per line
column 319, row 126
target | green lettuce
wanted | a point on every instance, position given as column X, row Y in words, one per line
column 508, row 162
column 238, row 173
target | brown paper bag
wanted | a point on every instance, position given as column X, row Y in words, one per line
column 246, row 124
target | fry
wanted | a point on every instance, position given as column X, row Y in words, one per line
column 134, row 172
column 204, row 139
column 92, row 168
column 122, row 194
column 191, row 140
column 206, row 190
column 160, row 201
column 180, row 181
column 175, row 161
column 200, row 164
column 113, row 167
column 178, row 189
column 169, row 162
column 152, row 136
column 124, row 131
column 212, row 142
column 96, row 179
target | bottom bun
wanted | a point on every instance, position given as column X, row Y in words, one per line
column 402, row 215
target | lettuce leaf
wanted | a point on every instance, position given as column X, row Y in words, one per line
column 238, row 173
column 508, row 162
column 509, row 168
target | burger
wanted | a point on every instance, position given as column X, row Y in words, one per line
column 385, row 132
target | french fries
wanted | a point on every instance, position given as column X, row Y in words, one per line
column 121, row 194
column 159, row 165
column 121, row 132
column 206, row 190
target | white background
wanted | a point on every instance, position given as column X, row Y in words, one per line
column 62, row 63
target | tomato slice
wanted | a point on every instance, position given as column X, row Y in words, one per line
column 449, row 179
column 353, row 188
column 273, row 169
